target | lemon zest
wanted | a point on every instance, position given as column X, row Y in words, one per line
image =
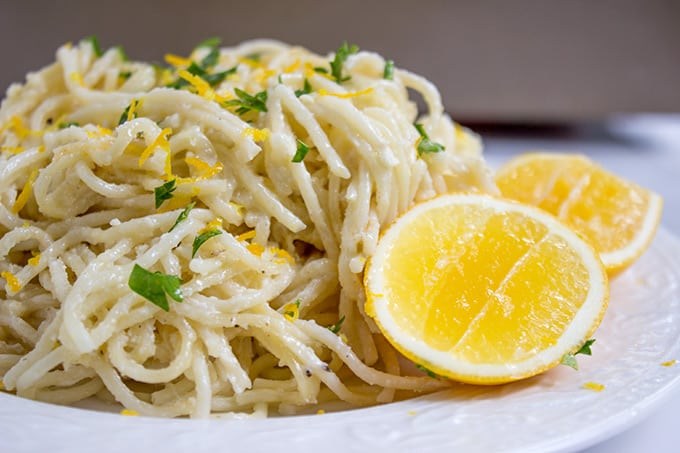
column 135, row 105
column 255, row 249
column 594, row 386
column 160, row 141
column 2, row 386
column 352, row 94
column 202, row 87
column 17, row 125
column 13, row 149
column 320, row 412
column 208, row 171
column 669, row 363
column 291, row 311
column 25, row 194
column 250, row 62
column 239, row 207
column 129, row 413
column 35, row 260
column 176, row 60
column 293, row 67
column 283, row 254
column 245, row 236
column 259, row 135
column 12, row 282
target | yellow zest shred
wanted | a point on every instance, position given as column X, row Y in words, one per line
column 310, row 72
column 25, row 224
column 255, row 249
column 35, row 260
column 26, row 192
column 207, row 170
column 259, row 135
column 412, row 413
column 291, row 311
column 245, row 236
column 129, row 413
column 100, row 132
column 17, row 125
column 162, row 142
column 2, row 386
column 594, row 386
column 284, row 255
column 12, row 281
column 669, row 363
column 202, row 87
column 323, row 92
column 77, row 78
column 176, row 60
column 41, row 148
column 262, row 75
column 293, row 67
column 13, row 149
column 320, row 412
column 135, row 105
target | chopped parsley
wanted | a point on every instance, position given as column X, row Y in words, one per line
column 570, row 359
column 247, row 102
column 164, row 192
column 95, row 45
column 341, row 56
column 121, row 52
column 125, row 75
column 201, row 238
column 210, row 42
column 388, row 72
column 306, row 89
column 425, row 145
column 155, row 286
column 301, row 152
column 256, row 57
column 68, row 124
column 183, row 215
column 211, row 59
column 335, row 328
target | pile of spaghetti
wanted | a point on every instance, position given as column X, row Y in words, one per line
column 190, row 239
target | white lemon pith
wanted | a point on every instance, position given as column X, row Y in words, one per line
column 484, row 290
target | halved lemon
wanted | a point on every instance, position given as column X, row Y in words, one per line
column 620, row 218
column 484, row 290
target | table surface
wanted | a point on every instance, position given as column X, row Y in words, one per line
column 644, row 149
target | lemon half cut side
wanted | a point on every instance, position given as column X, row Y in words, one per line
column 484, row 290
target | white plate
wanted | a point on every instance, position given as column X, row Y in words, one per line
column 551, row 412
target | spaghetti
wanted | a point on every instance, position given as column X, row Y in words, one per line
column 190, row 240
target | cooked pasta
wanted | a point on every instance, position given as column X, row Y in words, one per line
column 189, row 240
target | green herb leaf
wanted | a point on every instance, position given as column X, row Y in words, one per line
column 125, row 75
column 154, row 286
column 341, row 56
column 335, row 328
column 67, row 124
column 211, row 59
column 425, row 145
column 183, row 215
column 570, row 358
column 254, row 57
column 306, row 89
column 95, row 45
column 301, row 152
column 585, row 349
column 320, row 70
column 388, row 72
column 210, row 42
column 427, row 371
column 164, row 192
column 248, row 102
column 121, row 52
column 201, row 238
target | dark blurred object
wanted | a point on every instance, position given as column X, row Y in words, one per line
column 499, row 61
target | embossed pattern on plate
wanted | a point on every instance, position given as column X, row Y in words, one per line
column 551, row 412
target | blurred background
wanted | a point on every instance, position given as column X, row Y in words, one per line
column 494, row 61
